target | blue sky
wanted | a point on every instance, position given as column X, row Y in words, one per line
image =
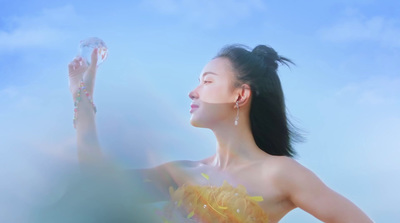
column 344, row 91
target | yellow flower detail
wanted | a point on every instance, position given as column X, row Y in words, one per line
column 217, row 203
column 256, row 198
column 205, row 176
column 190, row 214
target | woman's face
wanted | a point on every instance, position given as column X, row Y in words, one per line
column 213, row 100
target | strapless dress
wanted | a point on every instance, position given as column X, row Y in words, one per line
column 209, row 204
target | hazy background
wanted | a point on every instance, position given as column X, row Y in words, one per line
column 344, row 91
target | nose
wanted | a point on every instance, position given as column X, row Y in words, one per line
column 193, row 94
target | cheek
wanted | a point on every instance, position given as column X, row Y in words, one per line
column 211, row 113
column 216, row 94
column 214, row 109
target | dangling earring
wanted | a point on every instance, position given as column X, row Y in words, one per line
column 237, row 113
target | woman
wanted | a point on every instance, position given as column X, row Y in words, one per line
column 240, row 99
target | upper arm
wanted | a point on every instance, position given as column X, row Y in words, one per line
column 309, row 193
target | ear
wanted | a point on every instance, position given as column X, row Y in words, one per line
column 244, row 95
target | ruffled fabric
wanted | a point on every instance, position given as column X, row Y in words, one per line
column 208, row 204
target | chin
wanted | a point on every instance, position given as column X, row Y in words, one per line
column 194, row 123
column 197, row 123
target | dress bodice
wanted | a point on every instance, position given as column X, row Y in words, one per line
column 206, row 204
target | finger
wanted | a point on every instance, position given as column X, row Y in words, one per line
column 95, row 56
column 76, row 58
column 73, row 62
column 77, row 67
column 93, row 65
column 81, row 62
column 71, row 67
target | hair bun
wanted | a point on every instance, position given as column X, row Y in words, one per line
column 269, row 55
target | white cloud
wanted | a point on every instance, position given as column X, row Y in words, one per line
column 44, row 30
column 356, row 27
column 21, row 38
column 371, row 111
column 19, row 98
column 378, row 90
column 209, row 14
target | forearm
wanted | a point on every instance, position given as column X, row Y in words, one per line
column 331, row 207
column 345, row 211
column 309, row 193
column 89, row 150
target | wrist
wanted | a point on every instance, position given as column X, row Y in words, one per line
column 77, row 97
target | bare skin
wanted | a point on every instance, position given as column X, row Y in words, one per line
column 281, row 181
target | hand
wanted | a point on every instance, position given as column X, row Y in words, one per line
column 78, row 70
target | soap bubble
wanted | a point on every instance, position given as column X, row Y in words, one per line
column 87, row 46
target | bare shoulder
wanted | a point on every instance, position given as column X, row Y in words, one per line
column 284, row 164
column 295, row 180
column 287, row 171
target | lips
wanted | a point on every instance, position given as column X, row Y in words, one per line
column 193, row 107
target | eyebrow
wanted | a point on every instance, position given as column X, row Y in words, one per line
column 209, row 72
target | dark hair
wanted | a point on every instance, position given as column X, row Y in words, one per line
column 272, row 131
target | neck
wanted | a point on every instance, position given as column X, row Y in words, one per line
column 235, row 145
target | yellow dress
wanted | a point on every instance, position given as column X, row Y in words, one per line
column 209, row 204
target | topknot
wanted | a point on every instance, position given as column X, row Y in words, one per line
column 270, row 56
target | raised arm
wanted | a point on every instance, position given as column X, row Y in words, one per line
column 89, row 151
column 154, row 182
column 309, row 193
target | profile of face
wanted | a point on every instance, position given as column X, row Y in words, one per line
column 213, row 100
